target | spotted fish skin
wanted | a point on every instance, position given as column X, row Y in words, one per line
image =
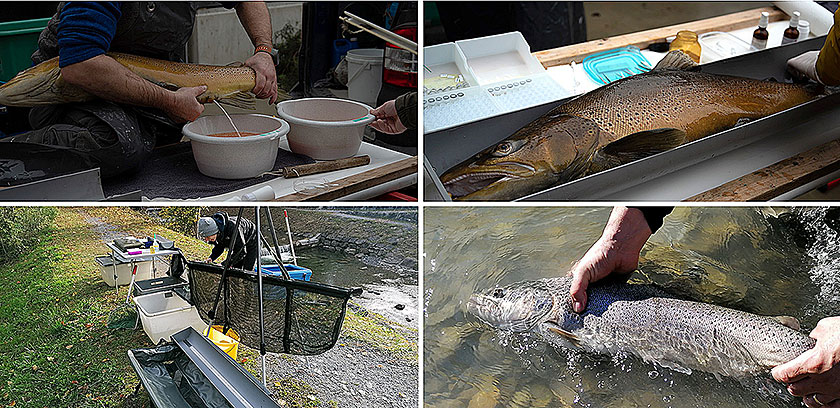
column 44, row 85
column 700, row 104
column 644, row 321
column 623, row 121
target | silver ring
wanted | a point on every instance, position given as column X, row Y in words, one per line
column 814, row 396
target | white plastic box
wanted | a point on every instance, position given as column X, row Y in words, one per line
column 106, row 268
column 166, row 313
column 500, row 57
column 717, row 45
column 447, row 59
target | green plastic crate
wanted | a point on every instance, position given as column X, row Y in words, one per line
column 18, row 40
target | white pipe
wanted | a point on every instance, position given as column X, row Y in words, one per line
column 820, row 19
column 289, row 230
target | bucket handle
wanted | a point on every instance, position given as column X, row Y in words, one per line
column 355, row 74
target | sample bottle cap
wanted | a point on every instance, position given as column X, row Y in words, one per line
column 794, row 20
column 764, row 20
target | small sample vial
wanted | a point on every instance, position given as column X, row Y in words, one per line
column 792, row 33
column 760, row 35
column 804, row 29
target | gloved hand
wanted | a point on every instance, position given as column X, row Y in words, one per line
column 804, row 66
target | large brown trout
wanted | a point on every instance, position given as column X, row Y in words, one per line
column 644, row 321
column 617, row 123
column 43, row 84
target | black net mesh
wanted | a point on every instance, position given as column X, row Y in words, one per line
column 302, row 318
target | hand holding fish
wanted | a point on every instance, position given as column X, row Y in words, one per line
column 266, row 76
column 185, row 106
column 617, row 251
column 814, row 375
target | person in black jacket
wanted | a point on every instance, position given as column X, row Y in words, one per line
column 396, row 116
column 218, row 230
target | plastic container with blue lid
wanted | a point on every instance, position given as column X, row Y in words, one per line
column 609, row 66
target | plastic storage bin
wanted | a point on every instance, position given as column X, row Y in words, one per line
column 717, row 45
column 499, row 57
column 165, row 313
column 445, row 59
column 18, row 40
column 145, row 287
column 295, row 272
column 106, row 268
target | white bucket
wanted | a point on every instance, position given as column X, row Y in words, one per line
column 364, row 74
column 325, row 128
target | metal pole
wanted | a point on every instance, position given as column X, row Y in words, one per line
column 259, row 283
column 276, row 245
column 289, row 230
column 212, row 313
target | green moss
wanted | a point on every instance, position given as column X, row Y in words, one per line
column 376, row 330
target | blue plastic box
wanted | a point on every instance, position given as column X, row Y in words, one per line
column 295, row 272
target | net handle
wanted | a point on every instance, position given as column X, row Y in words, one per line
column 276, row 245
column 212, row 313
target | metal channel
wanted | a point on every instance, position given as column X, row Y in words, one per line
column 709, row 162
column 236, row 385
column 81, row 186
column 446, row 148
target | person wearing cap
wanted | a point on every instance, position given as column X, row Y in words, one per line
column 219, row 231
column 822, row 66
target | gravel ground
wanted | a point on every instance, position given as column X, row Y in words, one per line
column 353, row 374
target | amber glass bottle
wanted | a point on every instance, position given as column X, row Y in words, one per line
column 760, row 35
column 792, row 33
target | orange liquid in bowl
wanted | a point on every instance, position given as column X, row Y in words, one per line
column 234, row 134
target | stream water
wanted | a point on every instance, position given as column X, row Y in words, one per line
column 770, row 261
column 342, row 269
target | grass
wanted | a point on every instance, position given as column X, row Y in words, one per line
column 376, row 330
column 55, row 349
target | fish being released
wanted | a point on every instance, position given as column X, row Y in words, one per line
column 43, row 84
column 645, row 321
column 618, row 123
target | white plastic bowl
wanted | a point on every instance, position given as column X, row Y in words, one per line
column 325, row 128
column 235, row 157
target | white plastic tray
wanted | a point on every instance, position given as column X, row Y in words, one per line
column 500, row 57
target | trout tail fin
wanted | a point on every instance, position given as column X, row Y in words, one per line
column 39, row 85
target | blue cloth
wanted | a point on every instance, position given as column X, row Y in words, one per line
column 85, row 30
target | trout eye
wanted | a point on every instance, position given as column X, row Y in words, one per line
column 499, row 293
column 503, row 149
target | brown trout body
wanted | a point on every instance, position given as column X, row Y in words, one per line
column 43, row 84
column 620, row 122
column 646, row 322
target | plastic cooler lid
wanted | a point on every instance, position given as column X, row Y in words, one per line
column 608, row 66
column 722, row 45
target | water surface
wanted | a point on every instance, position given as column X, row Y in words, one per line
column 771, row 261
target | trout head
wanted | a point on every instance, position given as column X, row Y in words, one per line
column 551, row 150
column 518, row 307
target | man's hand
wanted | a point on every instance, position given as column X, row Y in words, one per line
column 387, row 120
column 815, row 374
column 266, row 76
column 617, row 251
column 804, row 66
column 184, row 107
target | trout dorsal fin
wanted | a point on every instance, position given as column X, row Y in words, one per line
column 636, row 146
column 677, row 60
column 787, row 321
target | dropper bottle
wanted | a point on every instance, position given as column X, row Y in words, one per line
column 792, row 33
column 760, row 35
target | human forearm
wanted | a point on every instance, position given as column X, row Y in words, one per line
column 106, row 78
column 257, row 22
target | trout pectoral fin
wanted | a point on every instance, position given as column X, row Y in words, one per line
column 555, row 328
column 787, row 321
column 677, row 60
column 636, row 146
column 244, row 100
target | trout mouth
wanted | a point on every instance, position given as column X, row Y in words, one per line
column 462, row 183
